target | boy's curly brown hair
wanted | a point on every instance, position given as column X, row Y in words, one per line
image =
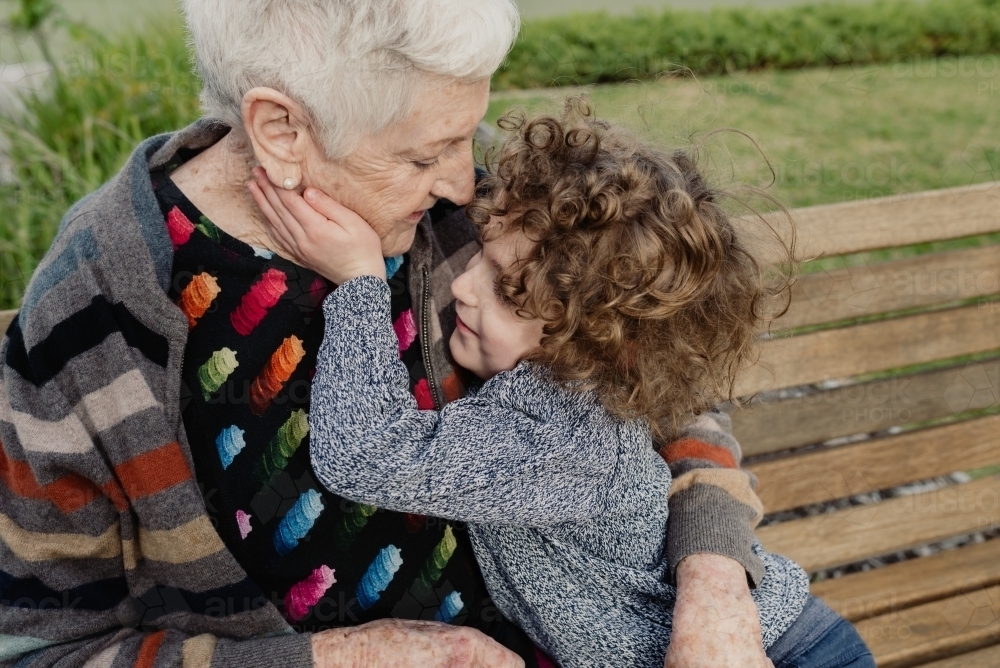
column 648, row 295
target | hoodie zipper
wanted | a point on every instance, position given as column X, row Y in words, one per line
column 425, row 330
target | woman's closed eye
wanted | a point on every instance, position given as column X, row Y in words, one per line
column 425, row 165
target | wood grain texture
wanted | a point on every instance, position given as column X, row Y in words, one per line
column 983, row 658
column 908, row 583
column 856, row 533
column 900, row 220
column 913, row 282
column 935, row 630
column 881, row 463
column 876, row 346
column 769, row 426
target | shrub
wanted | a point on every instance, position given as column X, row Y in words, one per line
column 599, row 48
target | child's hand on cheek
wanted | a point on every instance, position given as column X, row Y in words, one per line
column 318, row 233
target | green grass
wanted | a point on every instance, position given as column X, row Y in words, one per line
column 830, row 134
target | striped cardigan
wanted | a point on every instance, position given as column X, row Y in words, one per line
column 107, row 555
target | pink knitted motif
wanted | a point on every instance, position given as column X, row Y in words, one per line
column 422, row 392
column 179, row 227
column 258, row 300
column 243, row 522
column 304, row 595
column 406, row 330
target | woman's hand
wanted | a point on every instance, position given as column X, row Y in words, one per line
column 716, row 622
column 398, row 643
column 317, row 232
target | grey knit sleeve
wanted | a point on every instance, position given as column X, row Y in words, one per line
column 518, row 452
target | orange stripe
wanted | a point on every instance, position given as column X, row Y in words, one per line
column 113, row 491
column 148, row 650
column 153, row 471
column 692, row 448
column 453, row 388
column 69, row 493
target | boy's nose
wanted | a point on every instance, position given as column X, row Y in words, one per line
column 460, row 289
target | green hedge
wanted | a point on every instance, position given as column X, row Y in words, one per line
column 599, row 48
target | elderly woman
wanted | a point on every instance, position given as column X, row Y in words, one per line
column 158, row 507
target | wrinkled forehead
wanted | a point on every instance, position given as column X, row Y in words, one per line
column 442, row 115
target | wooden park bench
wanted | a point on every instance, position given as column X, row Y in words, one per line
column 942, row 610
column 856, row 417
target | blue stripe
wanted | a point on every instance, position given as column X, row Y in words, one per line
column 14, row 646
column 82, row 249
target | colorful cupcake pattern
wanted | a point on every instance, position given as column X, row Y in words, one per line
column 275, row 374
column 378, row 576
column 307, row 593
column 282, row 446
column 198, row 296
column 298, row 522
column 214, row 373
column 450, row 607
column 258, row 300
column 243, row 405
column 179, row 227
column 230, row 443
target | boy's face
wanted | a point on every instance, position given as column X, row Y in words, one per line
column 490, row 337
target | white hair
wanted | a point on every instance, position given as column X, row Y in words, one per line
column 356, row 66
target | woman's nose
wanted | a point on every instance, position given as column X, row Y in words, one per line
column 458, row 180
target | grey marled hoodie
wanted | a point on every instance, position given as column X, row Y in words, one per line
column 567, row 505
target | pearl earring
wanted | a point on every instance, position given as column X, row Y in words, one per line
column 288, row 183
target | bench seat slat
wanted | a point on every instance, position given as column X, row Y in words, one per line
column 876, row 346
column 900, row 220
column 908, row 583
column 934, row 630
column 856, row 533
column 863, row 407
column 835, row 473
column 913, row 282
column 983, row 658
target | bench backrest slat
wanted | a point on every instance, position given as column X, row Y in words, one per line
column 867, row 407
column 834, row 473
column 901, row 220
column 875, row 346
column 869, row 289
column 859, row 532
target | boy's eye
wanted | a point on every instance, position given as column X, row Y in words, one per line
column 501, row 296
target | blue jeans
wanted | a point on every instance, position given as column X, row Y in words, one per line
column 820, row 638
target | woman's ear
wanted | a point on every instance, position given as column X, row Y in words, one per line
column 278, row 130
